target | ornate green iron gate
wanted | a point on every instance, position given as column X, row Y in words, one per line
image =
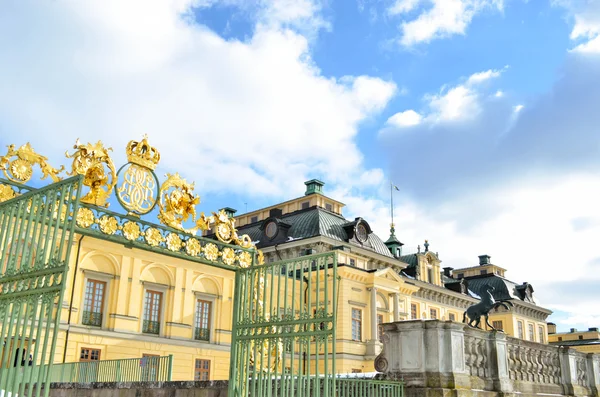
column 283, row 341
column 36, row 235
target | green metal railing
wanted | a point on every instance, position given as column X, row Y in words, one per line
column 365, row 387
column 202, row 334
column 146, row 369
column 36, row 236
column 92, row 318
column 151, row 327
column 283, row 336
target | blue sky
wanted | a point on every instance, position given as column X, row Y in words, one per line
column 483, row 112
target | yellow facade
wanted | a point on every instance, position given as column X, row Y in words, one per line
column 584, row 341
column 127, row 275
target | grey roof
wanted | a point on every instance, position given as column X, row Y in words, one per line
column 503, row 289
column 312, row 222
column 410, row 260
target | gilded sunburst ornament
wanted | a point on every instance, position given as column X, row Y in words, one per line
column 131, row 230
column 211, row 252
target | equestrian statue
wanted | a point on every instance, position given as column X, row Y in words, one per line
column 483, row 308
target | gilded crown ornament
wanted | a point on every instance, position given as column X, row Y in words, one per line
column 138, row 185
column 90, row 161
column 20, row 168
column 141, row 153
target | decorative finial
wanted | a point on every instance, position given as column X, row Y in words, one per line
column 419, row 249
column 89, row 160
column 141, row 153
column 426, row 245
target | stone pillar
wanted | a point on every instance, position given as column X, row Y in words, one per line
column 374, row 314
column 396, row 307
column 500, row 376
column 373, row 344
column 593, row 372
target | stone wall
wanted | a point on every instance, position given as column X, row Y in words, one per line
column 141, row 389
column 435, row 357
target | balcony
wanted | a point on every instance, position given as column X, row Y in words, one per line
column 151, row 327
column 92, row 318
column 202, row 334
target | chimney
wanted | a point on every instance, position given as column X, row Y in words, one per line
column 573, row 330
column 551, row 328
column 276, row 213
column 448, row 271
column 314, row 186
column 484, row 260
column 594, row 329
column 229, row 211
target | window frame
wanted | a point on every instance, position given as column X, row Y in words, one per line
column 520, row 329
column 202, row 370
column 95, row 283
column 359, row 321
column 101, row 277
column 541, row 334
column 213, row 315
column 159, row 289
column 414, row 306
column 496, row 322
column 451, row 317
column 379, row 327
column 531, row 332
column 91, row 349
column 433, row 313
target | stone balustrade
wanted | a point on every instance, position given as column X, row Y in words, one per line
column 433, row 355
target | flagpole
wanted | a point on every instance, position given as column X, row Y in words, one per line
column 392, row 203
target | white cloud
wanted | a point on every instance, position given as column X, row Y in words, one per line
column 457, row 103
column 518, row 108
column 256, row 117
column 499, row 94
column 407, row 118
column 586, row 28
column 402, row 6
column 445, row 18
column 478, row 78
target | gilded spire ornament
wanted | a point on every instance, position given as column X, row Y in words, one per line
column 177, row 203
column 138, row 185
column 20, row 168
column 92, row 161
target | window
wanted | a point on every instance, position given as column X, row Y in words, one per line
column 413, row 311
column 433, row 314
column 356, row 324
column 150, row 365
column 202, row 370
column 305, row 205
column 88, row 355
column 498, row 325
column 329, row 207
column 580, row 337
column 560, row 338
column 352, row 262
column 152, row 312
column 460, row 275
column 94, row 303
column 483, row 272
column 451, row 317
column 520, row 333
column 531, row 332
column 202, row 331
column 541, row 334
column 379, row 327
column 430, row 275
column 356, row 371
column 254, row 219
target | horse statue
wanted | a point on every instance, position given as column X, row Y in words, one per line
column 483, row 308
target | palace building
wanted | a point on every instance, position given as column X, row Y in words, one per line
column 138, row 289
column 587, row 341
column 379, row 282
